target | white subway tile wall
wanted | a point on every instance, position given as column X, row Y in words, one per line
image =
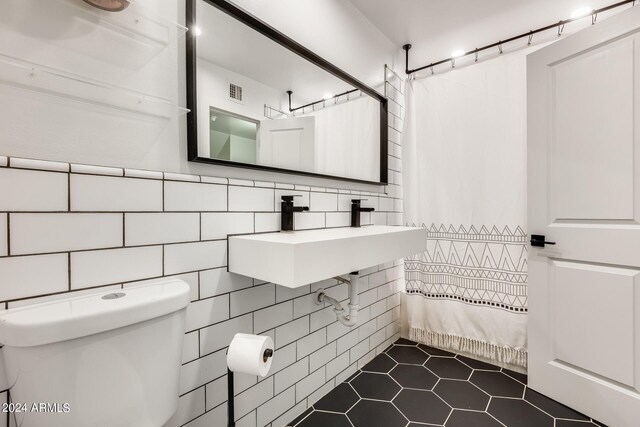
column 92, row 193
column 161, row 227
column 30, row 190
column 80, row 228
column 64, row 231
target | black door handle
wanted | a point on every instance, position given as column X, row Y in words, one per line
column 539, row 241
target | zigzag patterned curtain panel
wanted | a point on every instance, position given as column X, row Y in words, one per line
column 464, row 167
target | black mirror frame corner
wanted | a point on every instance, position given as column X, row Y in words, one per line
column 270, row 32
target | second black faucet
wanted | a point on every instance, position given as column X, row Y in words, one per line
column 287, row 211
column 355, row 211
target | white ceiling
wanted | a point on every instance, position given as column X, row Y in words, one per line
column 435, row 28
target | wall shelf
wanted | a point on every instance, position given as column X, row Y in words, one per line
column 136, row 22
column 27, row 75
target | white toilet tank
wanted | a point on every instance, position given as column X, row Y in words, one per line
column 106, row 360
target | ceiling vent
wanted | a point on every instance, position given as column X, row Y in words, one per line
column 235, row 92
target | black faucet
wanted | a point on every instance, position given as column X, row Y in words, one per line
column 355, row 211
column 286, row 215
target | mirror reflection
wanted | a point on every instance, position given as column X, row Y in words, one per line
column 258, row 103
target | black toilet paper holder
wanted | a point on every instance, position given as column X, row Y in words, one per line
column 231, row 417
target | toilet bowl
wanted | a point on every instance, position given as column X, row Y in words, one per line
column 108, row 359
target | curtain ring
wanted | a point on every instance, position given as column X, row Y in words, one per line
column 530, row 38
column 560, row 28
column 594, row 16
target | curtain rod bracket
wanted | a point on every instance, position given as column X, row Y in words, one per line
column 500, row 47
column 594, row 17
column 530, row 38
column 406, row 48
column 560, row 28
column 476, row 55
column 290, row 92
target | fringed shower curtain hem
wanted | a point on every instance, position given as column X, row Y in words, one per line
column 502, row 356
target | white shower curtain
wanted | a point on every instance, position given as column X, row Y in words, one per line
column 464, row 167
column 347, row 139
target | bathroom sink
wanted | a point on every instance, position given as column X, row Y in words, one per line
column 298, row 258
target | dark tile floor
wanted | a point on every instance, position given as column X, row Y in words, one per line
column 412, row 385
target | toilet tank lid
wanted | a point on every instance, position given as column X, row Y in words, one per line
column 76, row 317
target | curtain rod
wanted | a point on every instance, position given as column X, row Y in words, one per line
column 302, row 107
column 560, row 25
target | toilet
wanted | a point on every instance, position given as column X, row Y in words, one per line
column 107, row 359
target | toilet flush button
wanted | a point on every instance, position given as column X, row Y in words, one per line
column 114, row 295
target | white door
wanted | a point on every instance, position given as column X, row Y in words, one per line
column 287, row 143
column 584, row 194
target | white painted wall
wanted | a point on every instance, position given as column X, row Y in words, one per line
column 63, row 35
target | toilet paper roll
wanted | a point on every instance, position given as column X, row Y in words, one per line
column 250, row 354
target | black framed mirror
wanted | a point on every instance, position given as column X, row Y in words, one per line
column 260, row 100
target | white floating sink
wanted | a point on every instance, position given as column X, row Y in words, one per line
column 298, row 258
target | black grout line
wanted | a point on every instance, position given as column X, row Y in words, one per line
column 8, row 234
column 106, row 248
column 163, row 261
column 69, row 271
column 69, row 189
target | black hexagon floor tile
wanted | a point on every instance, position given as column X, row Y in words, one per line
column 414, row 376
column 497, row 384
column 404, row 341
column 447, row 367
column 460, row 418
column 422, row 406
column 352, row 376
column 431, row 351
column 382, row 363
column 340, row 399
column 404, row 354
column 324, row 419
column 573, row 423
column 300, row 417
column 516, row 375
column 477, row 364
column 518, row 413
column 552, row 407
column 375, row 386
column 371, row 413
column 427, row 400
column 462, row 395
